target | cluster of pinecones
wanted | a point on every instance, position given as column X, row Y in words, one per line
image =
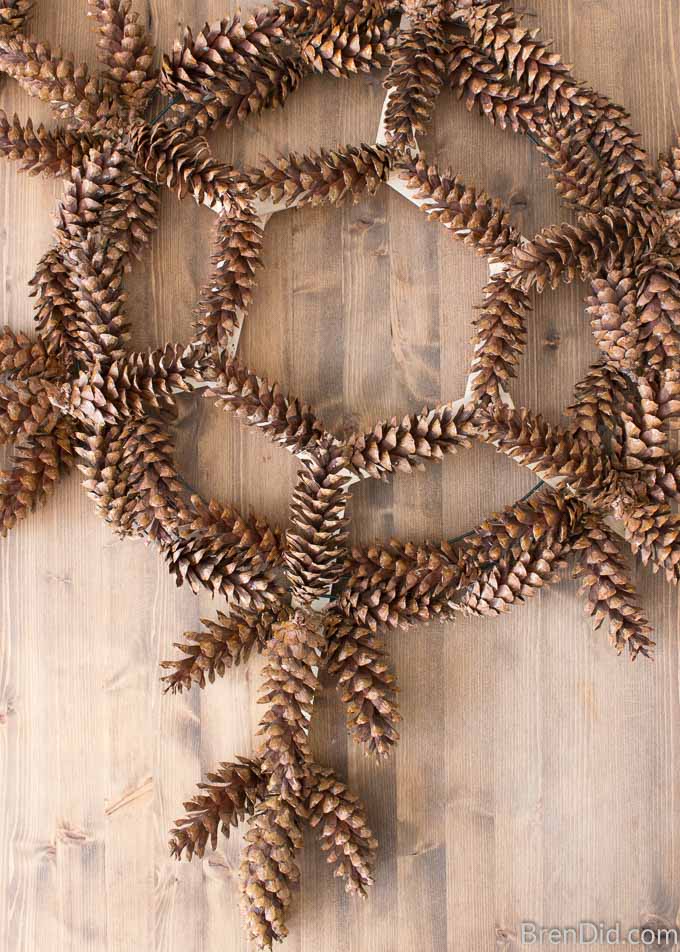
column 300, row 595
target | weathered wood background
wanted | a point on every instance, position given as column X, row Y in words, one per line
column 538, row 776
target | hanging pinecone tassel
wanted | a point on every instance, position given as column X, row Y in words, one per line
column 227, row 795
column 290, row 683
column 343, row 830
column 609, row 591
column 322, row 178
column 269, row 870
column 415, row 80
column 223, row 644
column 366, row 684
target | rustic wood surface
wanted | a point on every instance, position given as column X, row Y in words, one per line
column 538, row 776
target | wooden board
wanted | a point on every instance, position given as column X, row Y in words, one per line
column 538, row 776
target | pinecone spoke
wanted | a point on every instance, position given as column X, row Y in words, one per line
column 39, row 461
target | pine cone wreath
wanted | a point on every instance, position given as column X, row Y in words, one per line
column 318, row 610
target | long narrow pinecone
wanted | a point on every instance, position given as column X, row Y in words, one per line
column 317, row 537
column 183, row 161
column 126, row 50
column 228, row 794
column 38, row 462
column 415, row 79
column 39, row 151
column 236, row 256
column 269, row 870
column 232, row 68
column 290, row 683
column 365, row 682
column 340, row 817
column 607, row 586
column 56, row 311
column 258, row 403
column 223, row 644
column 500, row 337
column 401, row 583
column 613, row 314
column 600, row 398
column 658, row 310
column 471, row 216
column 548, row 450
column 610, row 241
column 395, row 446
column 133, row 385
column 654, row 534
column 344, row 47
column 322, row 178
column 44, row 73
column 102, row 329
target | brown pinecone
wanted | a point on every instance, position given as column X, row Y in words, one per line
column 133, row 385
column 226, row 643
column 612, row 240
column 237, row 254
column 131, row 212
column 322, row 178
column 343, row 830
column 658, row 311
column 22, row 358
column 599, row 400
column 269, row 870
column 237, row 63
column 317, row 537
column 38, row 151
column 608, row 588
column 102, row 328
column 616, row 329
column 56, row 312
column 365, row 682
column 43, row 73
column 261, row 404
column 395, row 446
column 26, row 409
column 87, row 193
column 13, row 15
column 668, row 398
column 38, row 462
column 228, row 794
column 471, row 216
column 402, row 583
column 415, row 79
column 476, row 78
column 183, row 161
column 226, row 553
column 126, row 50
column 290, row 683
column 654, row 533
column 668, row 178
column 500, row 337
column 346, row 47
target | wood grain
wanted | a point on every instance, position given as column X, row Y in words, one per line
column 538, row 776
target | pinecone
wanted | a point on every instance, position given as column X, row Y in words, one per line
column 415, row 80
column 261, row 404
column 367, row 686
column 227, row 643
column 229, row 794
column 472, row 217
column 608, row 588
column 56, row 311
column 13, row 15
column 238, row 250
column 614, row 320
column 402, row 583
column 653, row 532
column 26, row 409
column 400, row 447
column 38, row 462
column 38, row 151
column 668, row 178
column 269, row 870
column 102, row 328
column 289, row 686
column 350, row 46
column 658, row 311
column 21, row 358
column 343, row 830
column 322, row 178
column 316, row 540
column 668, row 398
column 126, row 50
column 500, row 337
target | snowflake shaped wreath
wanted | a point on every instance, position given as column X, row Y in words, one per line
column 301, row 596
